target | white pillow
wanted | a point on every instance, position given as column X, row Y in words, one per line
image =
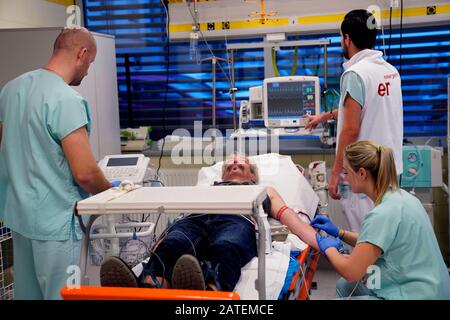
column 279, row 172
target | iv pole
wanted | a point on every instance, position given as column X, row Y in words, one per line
column 214, row 60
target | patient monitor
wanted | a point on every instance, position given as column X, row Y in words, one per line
column 132, row 167
column 288, row 100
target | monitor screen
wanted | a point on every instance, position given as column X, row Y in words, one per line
column 119, row 162
column 291, row 99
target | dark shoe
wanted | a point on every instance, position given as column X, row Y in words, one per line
column 187, row 274
column 114, row 272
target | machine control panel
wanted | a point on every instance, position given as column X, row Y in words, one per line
column 130, row 167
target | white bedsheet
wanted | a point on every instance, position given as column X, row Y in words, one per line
column 277, row 263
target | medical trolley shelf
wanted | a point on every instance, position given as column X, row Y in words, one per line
column 242, row 200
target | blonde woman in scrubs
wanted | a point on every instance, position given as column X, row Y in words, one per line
column 396, row 237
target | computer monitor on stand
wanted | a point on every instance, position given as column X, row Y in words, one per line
column 288, row 101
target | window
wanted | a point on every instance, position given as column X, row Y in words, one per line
column 167, row 90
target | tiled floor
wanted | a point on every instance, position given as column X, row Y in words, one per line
column 326, row 279
column 326, row 285
column 93, row 272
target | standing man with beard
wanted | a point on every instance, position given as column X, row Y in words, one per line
column 47, row 165
column 370, row 107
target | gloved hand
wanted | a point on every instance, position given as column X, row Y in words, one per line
column 327, row 242
column 116, row 184
column 325, row 224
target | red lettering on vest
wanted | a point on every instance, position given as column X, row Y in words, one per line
column 383, row 89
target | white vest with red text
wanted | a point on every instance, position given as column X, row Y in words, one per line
column 382, row 113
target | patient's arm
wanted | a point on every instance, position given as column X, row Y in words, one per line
column 290, row 219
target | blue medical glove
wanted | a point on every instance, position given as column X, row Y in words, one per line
column 328, row 242
column 116, row 183
column 325, row 224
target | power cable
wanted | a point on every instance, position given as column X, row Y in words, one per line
column 390, row 32
column 166, row 90
column 207, row 44
column 401, row 36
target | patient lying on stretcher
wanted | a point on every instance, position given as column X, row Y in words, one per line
column 202, row 251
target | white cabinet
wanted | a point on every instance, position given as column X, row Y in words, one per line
column 23, row 50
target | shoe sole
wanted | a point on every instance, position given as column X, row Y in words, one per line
column 116, row 273
column 187, row 274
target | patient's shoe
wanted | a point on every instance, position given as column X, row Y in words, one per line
column 114, row 272
column 187, row 274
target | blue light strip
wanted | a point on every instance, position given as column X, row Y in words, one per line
column 425, row 68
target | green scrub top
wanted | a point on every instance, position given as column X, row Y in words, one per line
column 411, row 265
column 353, row 85
column 38, row 110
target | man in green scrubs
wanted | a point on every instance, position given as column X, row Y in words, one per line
column 47, row 165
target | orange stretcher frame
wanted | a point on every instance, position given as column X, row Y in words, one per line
column 117, row 293
column 308, row 260
column 310, row 271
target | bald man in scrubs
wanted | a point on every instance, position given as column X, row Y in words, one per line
column 46, row 165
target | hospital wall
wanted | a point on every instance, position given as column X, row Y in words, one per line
column 238, row 18
column 33, row 13
column 99, row 87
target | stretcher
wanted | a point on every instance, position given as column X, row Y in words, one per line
column 242, row 200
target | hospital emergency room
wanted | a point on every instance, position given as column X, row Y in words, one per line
column 224, row 150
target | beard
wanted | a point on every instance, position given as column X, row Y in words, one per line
column 345, row 49
column 76, row 82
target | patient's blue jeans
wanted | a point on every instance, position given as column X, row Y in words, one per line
column 228, row 242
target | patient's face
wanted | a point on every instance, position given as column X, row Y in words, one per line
column 238, row 169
